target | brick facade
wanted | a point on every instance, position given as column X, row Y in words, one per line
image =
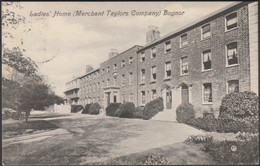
column 198, row 84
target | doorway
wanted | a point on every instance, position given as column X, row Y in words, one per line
column 184, row 94
column 168, row 98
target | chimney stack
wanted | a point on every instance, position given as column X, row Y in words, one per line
column 152, row 34
column 113, row 53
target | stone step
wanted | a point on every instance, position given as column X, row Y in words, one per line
column 165, row 115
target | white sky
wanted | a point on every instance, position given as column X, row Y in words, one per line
column 78, row 41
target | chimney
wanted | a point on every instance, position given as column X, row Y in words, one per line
column 89, row 68
column 152, row 34
column 113, row 53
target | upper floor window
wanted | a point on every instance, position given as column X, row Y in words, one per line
column 103, row 71
column 130, row 60
column 232, row 56
column 123, row 63
column 233, row 86
column 131, row 78
column 184, row 66
column 108, row 82
column 168, row 71
column 153, row 73
column 142, row 76
column 231, row 21
column 183, row 40
column 206, row 60
column 205, row 31
column 108, row 69
column 98, row 86
column 153, row 52
column 115, row 80
column 167, row 46
column 115, row 67
column 207, row 93
column 142, row 57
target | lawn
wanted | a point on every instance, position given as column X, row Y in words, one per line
column 90, row 139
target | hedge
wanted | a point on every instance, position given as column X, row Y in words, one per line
column 111, row 109
column 138, row 112
column 76, row 108
column 94, row 108
column 86, row 109
column 8, row 113
column 152, row 108
column 126, row 110
column 185, row 113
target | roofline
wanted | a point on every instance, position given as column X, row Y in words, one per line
column 93, row 71
column 123, row 52
column 192, row 24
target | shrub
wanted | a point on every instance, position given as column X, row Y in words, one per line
column 152, row 108
column 138, row 113
column 126, row 110
column 76, row 108
column 238, row 125
column 199, row 139
column 86, row 109
column 185, row 113
column 239, row 105
column 111, row 109
column 234, row 152
column 155, row 160
column 94, row 108
column 8, row 113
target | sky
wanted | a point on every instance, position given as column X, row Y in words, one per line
column 74, row 42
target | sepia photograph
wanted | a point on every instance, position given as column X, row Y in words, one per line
column 130, row 83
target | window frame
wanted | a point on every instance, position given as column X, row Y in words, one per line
column 130, row 60
column 227, row 30
column 227, row 85
column 152, row 53
column 182, row 46
column 131, row 80
column 181, row 64
column 142, row 81
column 152, row 94
column 202, row 60
column 142, row 55
column 165, row 43
column 142, row 97
column 152, row 74
column 201, row 31
column 203, row 95
column 122, row 63
column 226, row 55
column 165, row 71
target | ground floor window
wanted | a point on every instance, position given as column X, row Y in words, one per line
column 143, row 97
column 207, row 93
column 131, row 97
column 153, row 94
column 233, row 86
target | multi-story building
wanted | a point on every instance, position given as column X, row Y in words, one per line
column 71, row 92
column 199, row 63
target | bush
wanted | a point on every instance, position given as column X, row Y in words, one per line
column 86, row 109
column 185, row 113
column 152, row 108
column 238, row 125
column 8, row 113
column 239, row 105
column 94, row 108
column 155, row 160
column 126, row 110
column 199, row 139
column 234, row 152
column 138, row 113
column 111, row 109
column 76, row 108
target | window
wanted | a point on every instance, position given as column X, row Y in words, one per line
column 108, row 69
column 233, row 86
column 206, row 60
column 108, row 82
column 168, row 71
column 184, row 66
column 123, row 80
column 184, row 40
column 142, row 57
column 131, row 78
column 123, row 63
column 94, row 87
column 103, row 71
column 123, row 98
column 231, row 21
column 153, row 52
column 90, row 88
column 143, row 97
column 142, row 76
column 131, row 97
column 115, row 67
column 98, row 86
column 153, row 94
column 232, row 57
column 153, row 73
column 115, row 80
column 167, row 46
column 205, row 31
column 207, row 93
column 130, row 60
